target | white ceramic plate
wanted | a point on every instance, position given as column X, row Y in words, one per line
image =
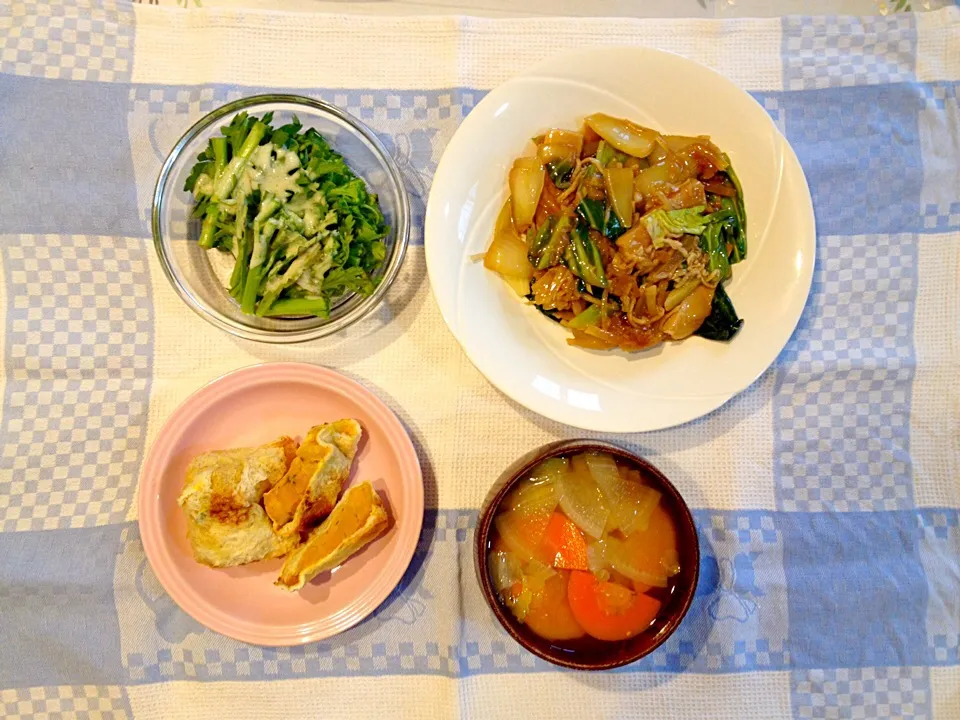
column 526, row 355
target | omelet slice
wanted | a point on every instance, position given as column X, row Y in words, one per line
column 357, row 520
column 226, row 524
column 310, row 488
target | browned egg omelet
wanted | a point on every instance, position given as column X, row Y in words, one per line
column 281, row 499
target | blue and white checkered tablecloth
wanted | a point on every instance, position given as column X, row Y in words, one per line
column 827, row 495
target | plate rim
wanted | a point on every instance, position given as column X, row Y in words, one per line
column 179, row 589
column 601, row 421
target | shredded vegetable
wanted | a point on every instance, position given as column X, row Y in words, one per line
column 652, row 224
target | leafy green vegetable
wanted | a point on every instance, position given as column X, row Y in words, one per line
column 539, row 240
column 712, row 243
column 612, row 227
column 722, row 323
column 606, row 154
column 303, row 228
column 591, row 212
column 739, row 209
column 662, row 223
column 548, row 248
column 561, row 172
column 583, row 258
column 591, row 316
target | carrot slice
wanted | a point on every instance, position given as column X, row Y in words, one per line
column 522, row 533
column 550, row 616
column 609, row 611
column 564, row 543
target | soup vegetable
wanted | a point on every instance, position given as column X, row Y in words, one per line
column 582, row 549
column 302, row 227
column 623, row 235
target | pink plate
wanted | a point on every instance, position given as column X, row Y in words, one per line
column 253, row 406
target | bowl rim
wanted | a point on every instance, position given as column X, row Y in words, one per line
column 440, row 269
column 510, row 476
column 401, row 227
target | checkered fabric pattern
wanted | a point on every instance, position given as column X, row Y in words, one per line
column 844, row 395
column 827, row 52
column 58, row 39
column 78, row 379
column 84, row 702
column 869, row 692
column 824, row 496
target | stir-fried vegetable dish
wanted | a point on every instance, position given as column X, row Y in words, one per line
column 302, row 227
column 583, row 548
column 623, row 235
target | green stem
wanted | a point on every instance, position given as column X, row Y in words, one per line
column 207, row 230
column 278, row 284
column 297, row 306
column 219, row 156
column 228, row 178
column 258, row 268
column 239, row 277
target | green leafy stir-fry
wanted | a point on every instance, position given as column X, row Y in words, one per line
column 302, row 227
column 623, row 235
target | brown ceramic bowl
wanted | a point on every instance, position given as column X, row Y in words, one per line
column 594, row 655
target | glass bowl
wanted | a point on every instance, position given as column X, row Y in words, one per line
column 199, row 275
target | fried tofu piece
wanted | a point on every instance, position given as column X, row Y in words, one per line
column 310, row 488
column 226, row 525
column 356, row 521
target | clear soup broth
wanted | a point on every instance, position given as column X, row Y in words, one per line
column 584, row 551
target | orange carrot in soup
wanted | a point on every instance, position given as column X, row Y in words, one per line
column 563, row 542
column 550, row 615
column 522, row 533
column 609, row 611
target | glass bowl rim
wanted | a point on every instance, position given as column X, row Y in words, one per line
column 401, row 225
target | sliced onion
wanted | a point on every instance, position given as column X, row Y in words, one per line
column 521, row 286
column 636, row 507
column 606, row 474
column 690, row 313
column 654, row 179
column 526, row 184
column 534, row 496
column 622, row 559
column 582, row 500
column 619, row 185
column 585, row 340
column 631, row 503
column 532, row 588
column 550, row 469
column 505, row 571
column 508, row 253
column 564, row 138
column 679, row 142
column 596, row 561
column 624, row 135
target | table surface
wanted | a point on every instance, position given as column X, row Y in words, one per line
column 594, row 8
column 826, row 495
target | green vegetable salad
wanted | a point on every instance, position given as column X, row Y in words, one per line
column 302, row 227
